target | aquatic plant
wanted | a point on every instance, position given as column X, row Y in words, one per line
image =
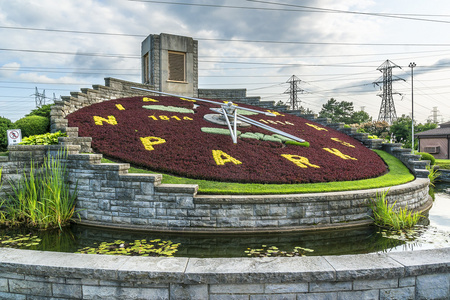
column 19, row 241
column 387, row 216
column 433, row 174
column 155, row 247
column 41, row 198
column 271, row 251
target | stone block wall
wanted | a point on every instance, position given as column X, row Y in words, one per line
column 109, row 196
column 26, row 274
column 444, row 175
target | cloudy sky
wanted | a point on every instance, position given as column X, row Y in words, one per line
column 333, row 47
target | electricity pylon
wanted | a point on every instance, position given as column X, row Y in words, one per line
column 387, row 109
column 293, row 90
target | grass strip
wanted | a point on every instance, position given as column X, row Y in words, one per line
column 398, row 174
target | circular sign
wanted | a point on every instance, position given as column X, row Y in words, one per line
column 14, row 134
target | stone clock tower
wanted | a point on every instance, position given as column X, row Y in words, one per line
column 170, row 64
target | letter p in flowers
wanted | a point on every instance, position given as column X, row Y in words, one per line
column 149, row 141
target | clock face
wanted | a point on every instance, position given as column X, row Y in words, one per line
column 172, row 135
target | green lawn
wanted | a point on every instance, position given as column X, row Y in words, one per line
column 443, row 163
column 398, row 174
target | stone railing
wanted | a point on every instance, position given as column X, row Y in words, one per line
column 28, row 274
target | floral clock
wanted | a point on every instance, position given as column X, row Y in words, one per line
column 178, row 136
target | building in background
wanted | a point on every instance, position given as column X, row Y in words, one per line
column 436, row 141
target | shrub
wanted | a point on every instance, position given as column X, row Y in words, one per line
column 5, row 124
column 43, row 139
column 43, row 111
column 427, row 156
column 32, row 125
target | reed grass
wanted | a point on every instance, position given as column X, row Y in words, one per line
column 389, row 217
column 42, row 198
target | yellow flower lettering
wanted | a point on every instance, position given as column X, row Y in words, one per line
column 145, row 99
column 275, row 112
column 339, row 153
column 99, row 120
column 221, row 158
column 190, row 100
column 343, row 143
column 316, row 127
column 149, row 141
column 120, row 107
column 300, row 161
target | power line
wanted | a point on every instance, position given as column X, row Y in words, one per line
column 310, row 9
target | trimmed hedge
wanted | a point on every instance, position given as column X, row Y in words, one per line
column 32, row 125
column 427, row 156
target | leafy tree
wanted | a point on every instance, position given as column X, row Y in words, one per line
column 343, row 112
column 359, row 117
column 43, row 111
column 337, row 111
column 401, row 130
column 5, row 124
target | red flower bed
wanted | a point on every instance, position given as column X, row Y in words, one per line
column 173, row 142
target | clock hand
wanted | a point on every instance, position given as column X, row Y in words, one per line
column 230, row 110
column 227, row 105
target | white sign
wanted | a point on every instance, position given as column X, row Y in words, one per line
column 14, row 136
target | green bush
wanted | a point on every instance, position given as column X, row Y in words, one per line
column 43, row 139
column 32, row 125
column 427, row 156
column 43, row 111
column 5, row 124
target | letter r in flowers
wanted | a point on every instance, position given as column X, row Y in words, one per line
column 221, row 158
column 339, row 153
column 300, row 161
column 99, row 120
column 149, row 141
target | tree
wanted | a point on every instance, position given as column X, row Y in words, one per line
column 5, row 124
column 401, row 130
column 360, row 117
column 343, row 112
column 337, row 111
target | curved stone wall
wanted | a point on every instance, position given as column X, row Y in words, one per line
column 28, row 274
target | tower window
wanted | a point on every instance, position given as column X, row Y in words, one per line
column 177, row 66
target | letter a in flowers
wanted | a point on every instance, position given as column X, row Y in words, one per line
column 99, row 120
column 339, row 153
column 300, row 161
column 221, row 158
column 149, row 141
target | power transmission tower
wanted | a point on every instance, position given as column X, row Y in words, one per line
column 434, row 115
column 293, row 90
column 39, row 98
column 387, row 109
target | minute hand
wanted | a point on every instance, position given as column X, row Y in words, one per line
column 269, row 128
